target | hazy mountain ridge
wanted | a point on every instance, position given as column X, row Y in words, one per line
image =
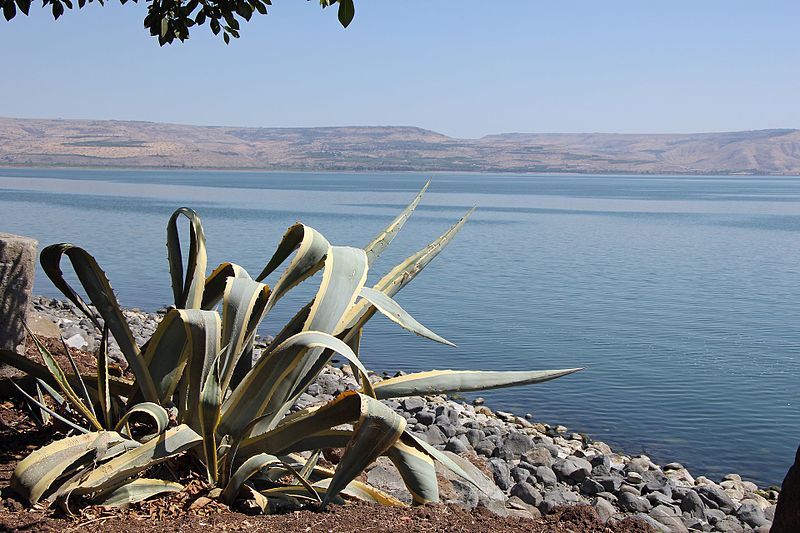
column 133, row 144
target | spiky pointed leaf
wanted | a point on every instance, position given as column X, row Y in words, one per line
column 449, row 381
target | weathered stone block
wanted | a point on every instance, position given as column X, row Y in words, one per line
column 17, row 267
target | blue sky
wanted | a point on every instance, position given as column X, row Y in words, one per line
column 464, row 68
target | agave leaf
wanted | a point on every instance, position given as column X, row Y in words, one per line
column 381, row 241
column 260, row 500
column 210, row 402
column 248, row 469
column 398, row 315
column 259, row 386
column 362, row 491
column 118, row 386
column 203, row 331
column 448, row 381
column 310, row 464
column 39, row 470
column 188, row 292
column 63, row 383
column 215, row 283
column 400, row 276
column 166, row 355
column 153, row 410
column 269, row 387
column 44, row 415
column 136, row 491
column 244, row 306
column 85, row 393
column 377, row 430
column 41, row 405
column 168, row 444
column 311, row 248
column 103, row 387
column 97, row 287
column 418, row 472
column 410, row 439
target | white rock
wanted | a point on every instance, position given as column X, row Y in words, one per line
column 76, row 341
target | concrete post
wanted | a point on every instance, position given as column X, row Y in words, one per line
column 17, row 267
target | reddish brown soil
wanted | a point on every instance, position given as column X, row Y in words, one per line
column 190, row 512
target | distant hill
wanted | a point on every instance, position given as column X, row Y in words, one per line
column 114, row 143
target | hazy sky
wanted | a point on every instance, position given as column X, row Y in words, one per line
column 463, row 68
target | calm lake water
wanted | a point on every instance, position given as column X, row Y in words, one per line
column 680, row 295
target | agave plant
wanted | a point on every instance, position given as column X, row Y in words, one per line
column 198, row 384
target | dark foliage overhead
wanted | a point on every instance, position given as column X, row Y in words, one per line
column 171, row 19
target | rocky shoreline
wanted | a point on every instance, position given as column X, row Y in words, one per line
column 530, row 468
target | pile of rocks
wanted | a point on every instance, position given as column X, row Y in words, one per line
column 79, row 332
column 533, row 468
column 524, row 468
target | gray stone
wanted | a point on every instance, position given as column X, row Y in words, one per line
column 604, row 509
column 714, row 515
column 425, row 417
column 384, row 476
column 653, row 523
column 463, row 492
column 413, row 404
column 445, row 426
column 527, row 493
column 76, row 341
column 750, row 513
column 667, row 516
column 591, row 487
column 633, row 504
column 329, row 384
column 693, row 505
column 520, row 474
column 485, row 448
column 500, row 473
column 769, row 513
column 729, row 525
column 607, row 496
column 474, row 436
column 515, row 445
column 716, row 497
column 629, row 489
column 573, row 468
column 434, row 436
column 556, row 498
column 539, row 456
column 456, row 445
column 658, row 498
column 17, row 267
column 609, row 483
column 447, row 412
column 546, row 476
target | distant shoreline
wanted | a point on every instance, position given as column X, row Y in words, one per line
column 403, row 171
column 149, row 145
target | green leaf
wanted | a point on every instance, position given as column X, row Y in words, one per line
column 9, row 9
column 24, row 6
column 168, row 444
column 398, row 315
column 35, row 474
column 381, row 241
column 188, row 291
column 153, row 410
column 63, row 383
column 448, row 381
column 347, row 11
column 136, row 491
column 210, row 402
column 97, row 287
